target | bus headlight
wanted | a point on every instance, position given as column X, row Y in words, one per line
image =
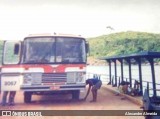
column 80, row 77
column 76, row 77
column 27, row 79
column 32, row 78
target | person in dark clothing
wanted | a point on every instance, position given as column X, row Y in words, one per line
column 95, row 83
column 11, row 98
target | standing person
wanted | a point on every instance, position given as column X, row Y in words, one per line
column 11, row 98
column 95, row 83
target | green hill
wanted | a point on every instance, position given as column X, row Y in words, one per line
column 123, row 43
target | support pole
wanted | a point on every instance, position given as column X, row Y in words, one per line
column 115, row 67
column 140, row 74
column 122, row 76
column 130, row 71
column 110, row 74
column 151, row 61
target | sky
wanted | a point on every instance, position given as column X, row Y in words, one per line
column 88, row 18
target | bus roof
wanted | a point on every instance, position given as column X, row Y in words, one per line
column 54, row 34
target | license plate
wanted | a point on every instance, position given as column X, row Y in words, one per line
column 54, row 87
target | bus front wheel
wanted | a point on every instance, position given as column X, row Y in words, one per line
column 75, row 94
column 27, row 97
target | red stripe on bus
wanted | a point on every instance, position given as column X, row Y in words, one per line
column 48, row 68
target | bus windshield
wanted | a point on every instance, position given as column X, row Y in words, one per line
column 54, row 50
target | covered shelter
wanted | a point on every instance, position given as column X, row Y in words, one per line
column 149, row 56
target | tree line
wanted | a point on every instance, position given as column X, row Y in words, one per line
column 123, row 43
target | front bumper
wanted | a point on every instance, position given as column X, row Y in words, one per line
column 52, row 87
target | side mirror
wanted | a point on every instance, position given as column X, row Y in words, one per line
column 16, row 49
column 87, row 47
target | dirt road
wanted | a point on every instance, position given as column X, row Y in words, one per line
column 106, row 101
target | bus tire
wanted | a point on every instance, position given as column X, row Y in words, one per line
column 27, row 97
column 75, row 94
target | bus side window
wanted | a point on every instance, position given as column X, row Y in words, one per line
column 11, row 53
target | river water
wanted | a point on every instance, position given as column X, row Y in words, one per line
column 103, row 71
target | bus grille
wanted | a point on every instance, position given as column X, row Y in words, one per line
column 54, row 77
